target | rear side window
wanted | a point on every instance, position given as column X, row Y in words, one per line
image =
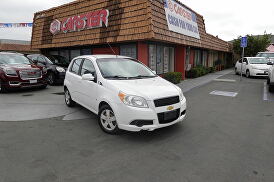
column 87, row 68
column 76, row 66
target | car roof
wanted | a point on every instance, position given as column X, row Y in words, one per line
column 102, row 56
column 10, row 53
column 254, row 57
column 266, row 52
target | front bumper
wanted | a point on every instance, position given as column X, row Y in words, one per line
column 125, row 115
column 256, row 72
column 17, row 83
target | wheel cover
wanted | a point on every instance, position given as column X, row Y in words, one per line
column 50, row 79
column 108, row 120
column 67, row 97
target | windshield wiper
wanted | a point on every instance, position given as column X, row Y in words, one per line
column 144, row 76
column 117, row 77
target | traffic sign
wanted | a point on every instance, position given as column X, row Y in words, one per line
column 244, row 42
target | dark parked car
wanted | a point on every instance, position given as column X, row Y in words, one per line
column 56, row 66
column 17, row 71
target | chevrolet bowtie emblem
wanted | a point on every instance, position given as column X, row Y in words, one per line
column 170, row 108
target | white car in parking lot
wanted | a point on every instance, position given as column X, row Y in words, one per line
column 252, row 66
column 124, row 93
column 270, row 78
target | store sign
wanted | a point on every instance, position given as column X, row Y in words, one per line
column 180, row 19
column 89, row 20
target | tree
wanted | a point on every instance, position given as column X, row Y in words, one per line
column 255, row 44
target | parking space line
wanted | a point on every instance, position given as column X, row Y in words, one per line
column 265, row 95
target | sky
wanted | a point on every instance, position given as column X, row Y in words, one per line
column 225, row 19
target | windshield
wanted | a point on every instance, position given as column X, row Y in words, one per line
column 258, row 60
column 59, row 60
column 13, row 59
column 120, row 68
column 267, row 55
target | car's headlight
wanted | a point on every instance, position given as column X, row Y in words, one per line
column 10, row 72
column 134, row 101
column 60, row 69
column 182, row 97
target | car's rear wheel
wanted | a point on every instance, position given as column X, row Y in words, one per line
column 268, row 81
column 68, row 100
column 271, row 88
column 51, row 78
column 247, row 74
column 2, row 87
column 236, row 71
column 107, row 120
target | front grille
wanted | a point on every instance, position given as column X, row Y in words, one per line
column 163, row 120
column 166, row 101
column 141, row 123
column 30, row 74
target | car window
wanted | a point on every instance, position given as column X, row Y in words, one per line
column 76, row 66
column 42, row 60
column 240, row 61
column 87, row 68
column 245, row 60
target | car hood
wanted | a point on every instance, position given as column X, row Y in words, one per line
column 18, row 67
column 150, row 88
column 260, row 66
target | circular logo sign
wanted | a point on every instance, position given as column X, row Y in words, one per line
column 55, row 27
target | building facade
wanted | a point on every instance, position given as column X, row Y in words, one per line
column 165, row 35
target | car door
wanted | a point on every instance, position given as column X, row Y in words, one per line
column 73, row 80
column 245, row 63
column 89, row 89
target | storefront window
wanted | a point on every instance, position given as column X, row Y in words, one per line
column 204, row 58
column 74, row 53
column 161, row 58
column 129, row 50
column 198, row 60
column 85, row 51
column 64, row 53
column 53, row 53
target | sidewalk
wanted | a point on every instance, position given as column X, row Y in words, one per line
column 189, row 84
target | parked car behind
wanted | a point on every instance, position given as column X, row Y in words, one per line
column 17, row 71
column 270, row 78
column 56, row 66
column 124, row 93
column 252, row 66
column 265, row 54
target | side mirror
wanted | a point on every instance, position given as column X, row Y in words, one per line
column 270, row 63
column 154, row 72
column 35, row 61
column 88, row 77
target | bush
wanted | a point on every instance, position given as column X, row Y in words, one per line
column 212, row 69
column 173, row 77
column 198, row 71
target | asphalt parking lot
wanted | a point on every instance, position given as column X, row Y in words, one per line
column 223, row 139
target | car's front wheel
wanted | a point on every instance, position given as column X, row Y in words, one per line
column 107, row 120
column 247, row 74
column 68, row 100
column 51, row 78
column 268, row 81
column 2, row 87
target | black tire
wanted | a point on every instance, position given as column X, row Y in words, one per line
column 44, row 86
column 247, row 74
column 268, row 81
column 236, row 72
column 108, row 125
column 51, row 78
column 2, row 87
column 271, row 88
column 69, row 102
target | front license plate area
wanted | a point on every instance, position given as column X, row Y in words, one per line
column 170, row 115
column 32, row 81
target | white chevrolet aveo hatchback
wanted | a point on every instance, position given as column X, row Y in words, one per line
column 124, row 93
